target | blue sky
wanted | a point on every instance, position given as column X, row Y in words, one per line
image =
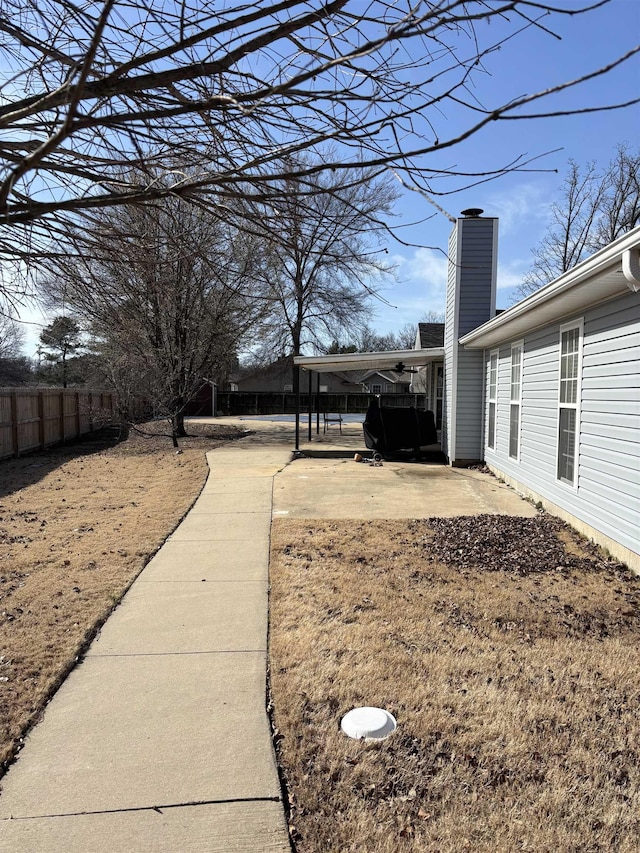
column 521, row 201
column 531, row 62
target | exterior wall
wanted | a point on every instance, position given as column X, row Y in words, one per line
column 471, row 293
column 605, row 499
column 333, row 384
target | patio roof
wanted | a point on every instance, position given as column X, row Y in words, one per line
column 370, row 360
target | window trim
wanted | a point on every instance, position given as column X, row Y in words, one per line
column 516, row 401
column 492, row 400
column 576, row 406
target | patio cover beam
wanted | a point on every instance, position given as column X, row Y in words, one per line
column 369, row 360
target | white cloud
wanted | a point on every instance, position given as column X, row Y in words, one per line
column 522, row 206
column 420, row 288
column 32, row 321
column 424, row 271
column 511, row 273
column 429, row 266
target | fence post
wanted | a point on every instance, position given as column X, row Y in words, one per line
column 61, row 419
column 41, row 434
column 78, row 422
column 14, row 424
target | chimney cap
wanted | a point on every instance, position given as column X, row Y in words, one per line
column 472, row 212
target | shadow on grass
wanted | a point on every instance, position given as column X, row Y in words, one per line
column 16, row 474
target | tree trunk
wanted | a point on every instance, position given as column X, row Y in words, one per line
column 178, row 424
column 296, row 335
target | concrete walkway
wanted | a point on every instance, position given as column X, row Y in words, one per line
column 159, row 741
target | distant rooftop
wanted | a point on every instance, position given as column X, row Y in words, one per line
column 431, row 335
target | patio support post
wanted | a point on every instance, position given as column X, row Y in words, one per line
column 296, row 383
column 310, row 401
column 317, row 404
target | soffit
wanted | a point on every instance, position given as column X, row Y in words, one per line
column 370, row 360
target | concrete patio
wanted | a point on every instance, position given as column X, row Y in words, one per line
column 159, row 740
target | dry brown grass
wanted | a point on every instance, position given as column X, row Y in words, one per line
column 77, row 525
column 514, row 680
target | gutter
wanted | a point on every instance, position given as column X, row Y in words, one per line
column 625, row 251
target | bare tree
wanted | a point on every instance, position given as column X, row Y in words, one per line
column 15, row 368
column 325, row 259
column 432, row 316
column 103, row 97
column 164, row 293
column 406, row 336
column 11, row 338
column 366, row 339
column 595, row 207
column 620, row 210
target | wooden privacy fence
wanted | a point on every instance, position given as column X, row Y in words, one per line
column 35, row 418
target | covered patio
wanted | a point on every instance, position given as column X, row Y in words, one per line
column 399, row 361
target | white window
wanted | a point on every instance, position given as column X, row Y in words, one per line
column 376, row 388
column 569, row 401
column 493, row 393
column 514, row 405
column 288, row 389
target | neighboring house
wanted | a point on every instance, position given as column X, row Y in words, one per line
column 386, row 382
column 278, row 377
column 545, row 393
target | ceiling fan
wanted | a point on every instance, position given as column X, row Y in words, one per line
column 400, row 368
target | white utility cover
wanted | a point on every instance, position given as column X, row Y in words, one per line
column 368, row 723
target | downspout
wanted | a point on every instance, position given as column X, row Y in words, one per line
column 452, row 426
column 631, row 268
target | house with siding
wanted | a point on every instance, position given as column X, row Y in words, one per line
column 278, row 377
column 385, row 382
column 545, row 393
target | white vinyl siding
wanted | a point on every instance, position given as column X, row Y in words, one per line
column 515, row 400
column 606, row 490
column 493, row 399
column 568, row 402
